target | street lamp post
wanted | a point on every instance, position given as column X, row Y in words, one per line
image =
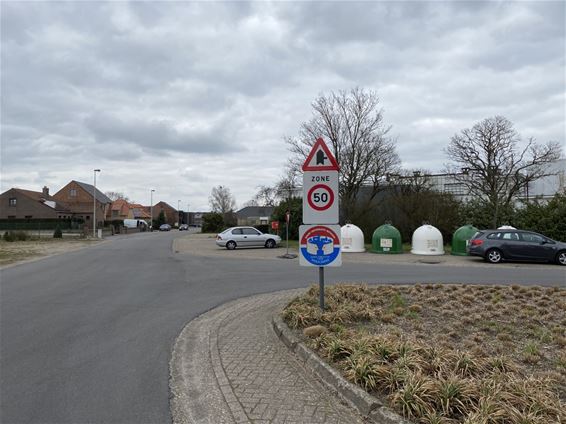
column 151, row 209
column 94, row 204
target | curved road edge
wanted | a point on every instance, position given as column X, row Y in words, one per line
column 229, row 366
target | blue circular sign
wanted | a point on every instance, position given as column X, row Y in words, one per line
column 320, row 246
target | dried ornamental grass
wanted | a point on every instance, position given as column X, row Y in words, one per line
column 447, row 353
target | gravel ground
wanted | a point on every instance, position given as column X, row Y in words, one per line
column 13, row 253
column 204, row 245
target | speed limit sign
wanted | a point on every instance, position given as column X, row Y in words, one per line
column 320, row 197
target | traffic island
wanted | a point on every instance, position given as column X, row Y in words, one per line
column 436, row 352
column 367, row 405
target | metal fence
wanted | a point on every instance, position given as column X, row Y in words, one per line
column 39, row 225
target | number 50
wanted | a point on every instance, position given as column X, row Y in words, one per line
column 320, row 197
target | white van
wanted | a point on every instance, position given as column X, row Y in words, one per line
column 135, row 223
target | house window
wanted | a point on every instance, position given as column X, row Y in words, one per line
column 13, row 201
column 27, row 217
column 73, row 192
column 11, row 216
column 115, row 213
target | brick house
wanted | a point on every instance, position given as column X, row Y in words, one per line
column 17, row 203
column 171, row 214
column 120, row 209
column 138, row 211
column 78, row 197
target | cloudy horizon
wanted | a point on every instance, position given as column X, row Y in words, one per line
column 184, row 96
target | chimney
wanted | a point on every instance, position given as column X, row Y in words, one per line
column 45, row 192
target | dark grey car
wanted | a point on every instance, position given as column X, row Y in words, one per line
column 516, row 245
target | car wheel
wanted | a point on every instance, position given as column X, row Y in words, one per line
column 270, row 244
column 494, row 256
column 561, row 258
column 231, row 245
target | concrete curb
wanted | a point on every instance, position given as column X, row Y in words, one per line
column 359, row 399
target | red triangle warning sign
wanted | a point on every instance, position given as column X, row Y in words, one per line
column 320, row 158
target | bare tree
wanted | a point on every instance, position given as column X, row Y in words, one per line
column 115, row 195
column 411, row 181
column 352, row 123
column 494, row 168
column 416, row 200
column 251, row 202
column 266, row 196
column 287, row 185
column 221, row 200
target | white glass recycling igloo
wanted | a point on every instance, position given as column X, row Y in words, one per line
column 352, row 239
column 427, row 240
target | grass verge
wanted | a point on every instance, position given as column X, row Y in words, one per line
column 18, row 251
column 468, row 354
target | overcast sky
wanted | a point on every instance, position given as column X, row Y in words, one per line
column 180, row 96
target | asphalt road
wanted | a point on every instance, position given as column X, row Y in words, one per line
column 86, row 337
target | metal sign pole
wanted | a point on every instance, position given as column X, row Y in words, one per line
column 321, row 287
column 287, row 221
column 287, row 230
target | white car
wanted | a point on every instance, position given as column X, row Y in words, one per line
column 246, row 237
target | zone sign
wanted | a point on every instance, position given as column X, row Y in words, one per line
column 320, row 197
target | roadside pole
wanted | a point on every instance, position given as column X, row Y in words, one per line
column 287, row 220
column 321, row 287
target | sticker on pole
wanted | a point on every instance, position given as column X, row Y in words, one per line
column 320, row 245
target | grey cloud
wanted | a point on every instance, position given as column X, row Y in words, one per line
column 87, row 82
column 158, row 134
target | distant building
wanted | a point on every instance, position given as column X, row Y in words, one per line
column 171, row 214
column 545, row 188
column 138, row 211
column 78, row 197
column 17, row 203
column 194, row 218
column 255, row 215
column 120, row 209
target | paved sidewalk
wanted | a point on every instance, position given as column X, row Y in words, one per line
column 228, row 366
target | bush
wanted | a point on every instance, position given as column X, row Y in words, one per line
column 263, row 228
column 212, row 223
column 160, row 220
column 546, row 218
column 295, row 205
column 57, row 233
column 15, row 236
column 480, row 214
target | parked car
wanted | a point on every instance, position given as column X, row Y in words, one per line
column 184, row 227
column 164, row 227
column 246, row 237
column 516, row 245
